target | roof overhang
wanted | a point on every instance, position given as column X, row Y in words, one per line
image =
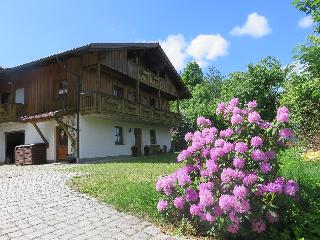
column 93, row 47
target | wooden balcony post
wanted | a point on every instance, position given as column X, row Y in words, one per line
column 137, row 64
column 138, row 91
column 97, row 96
column 95, row 102
column 98, row 80
column 123, row 105
column 13, row 111
column 12, row 92
column 178, row 105
column 99, row 102
column 159, row 87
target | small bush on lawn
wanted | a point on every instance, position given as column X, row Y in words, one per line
column 229, row 186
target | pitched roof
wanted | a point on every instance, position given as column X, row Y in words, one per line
column 109, row 46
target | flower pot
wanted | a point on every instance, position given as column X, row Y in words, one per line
column 147, row 150
column 134, row 151
column 165, row 148
column 71, row 158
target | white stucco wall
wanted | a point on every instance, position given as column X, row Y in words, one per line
column 97, row 136
column 31, row 136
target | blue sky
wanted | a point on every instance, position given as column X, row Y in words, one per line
column 225, row 34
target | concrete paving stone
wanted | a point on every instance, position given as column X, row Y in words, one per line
column 35, row 203
column 15, row 234
column 151, row 230
column 120, row 236
column 129, row 231
column 28, row 230
column 34, row 235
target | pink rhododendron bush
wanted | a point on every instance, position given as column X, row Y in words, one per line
column 229, row 183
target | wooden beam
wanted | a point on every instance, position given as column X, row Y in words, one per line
column 159, row 89
column 178, row 105
column 66, row 130
column 98, row 88
column 98, row 80
column 41, row 134
column 138, row 81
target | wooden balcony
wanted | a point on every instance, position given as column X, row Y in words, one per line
column 147, row 77
column 11, row 112
column 119, row 108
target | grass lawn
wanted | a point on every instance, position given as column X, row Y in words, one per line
column 307, row 224
column 128, row 185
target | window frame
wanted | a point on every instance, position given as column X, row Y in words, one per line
column 118, row 135
column 153, row 136
column 118, row 91
column 132, row 96
column 63, row 87
column 20, row 96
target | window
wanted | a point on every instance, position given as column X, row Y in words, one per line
column 153, row 137
column 5, row 98
column 63, row 87
column 117, row 91
column 132, row 96
column 118, row 135
column 19, row 96
column 145, row 100
column 152, row 102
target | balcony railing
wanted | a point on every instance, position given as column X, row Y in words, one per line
column 121, row 108
column 146, row 76
column 11, row 112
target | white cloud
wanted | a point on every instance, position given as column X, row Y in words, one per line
column 174, row 46
column 203, row 49
column 256, row 26
column 305, row 22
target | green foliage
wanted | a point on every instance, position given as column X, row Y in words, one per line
column 302, row 92
column 201, row 104
column 302, row 96
column 261, row 82
column 309, row 54
column 128, row 185
column 310, row 7
column 304, row 219
column 205, row 92
column 192, row 75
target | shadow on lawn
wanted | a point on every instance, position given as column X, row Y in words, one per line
column 309, row 218
column 160, row 158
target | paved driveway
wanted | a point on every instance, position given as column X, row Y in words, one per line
column 36, row 204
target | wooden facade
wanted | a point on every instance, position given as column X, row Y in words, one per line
column 131, row 81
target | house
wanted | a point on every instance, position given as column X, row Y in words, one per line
column 94, row 101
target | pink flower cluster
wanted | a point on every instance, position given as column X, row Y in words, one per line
column 202, row 121
column 229, row 172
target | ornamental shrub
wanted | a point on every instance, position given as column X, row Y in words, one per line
column 229, row 185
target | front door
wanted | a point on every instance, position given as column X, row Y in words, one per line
column 138, row 137
column 13, row 139
column 62, row 144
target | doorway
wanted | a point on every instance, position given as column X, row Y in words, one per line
column 4, row 98
column 138, row 138
column 61, row 144
column 13, row 139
